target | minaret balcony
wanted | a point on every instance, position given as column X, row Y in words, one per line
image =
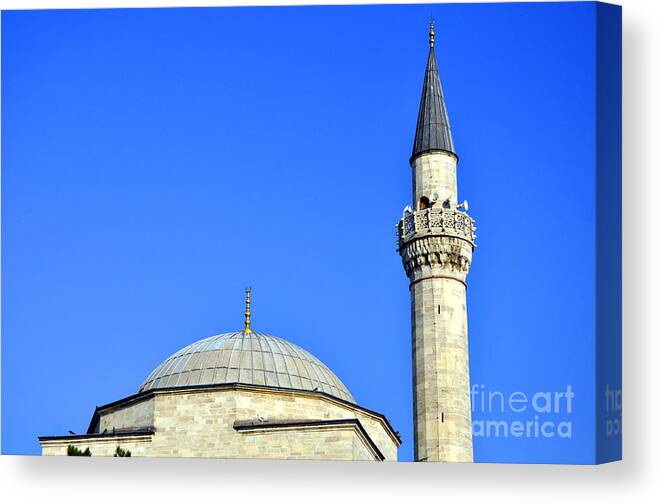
column 435, row 222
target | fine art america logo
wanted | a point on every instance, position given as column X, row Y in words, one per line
column 541, row 414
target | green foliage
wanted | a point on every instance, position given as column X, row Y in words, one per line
column 122, row 453
column 73, row 451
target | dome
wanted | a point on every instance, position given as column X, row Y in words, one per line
column 246, row 357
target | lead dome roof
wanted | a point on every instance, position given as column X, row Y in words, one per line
column 246, row 357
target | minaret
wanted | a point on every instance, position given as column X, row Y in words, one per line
column 436, row 241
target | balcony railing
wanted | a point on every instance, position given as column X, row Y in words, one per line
column 436, row 222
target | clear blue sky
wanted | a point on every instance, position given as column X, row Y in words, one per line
column 156, row 162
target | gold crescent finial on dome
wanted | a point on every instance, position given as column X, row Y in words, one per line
column 431, row 32
column 247, row 328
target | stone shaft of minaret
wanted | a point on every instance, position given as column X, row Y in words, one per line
column 436, row 243
column 434, row 178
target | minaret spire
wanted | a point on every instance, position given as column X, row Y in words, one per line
column 432, row 133
column 247, row 328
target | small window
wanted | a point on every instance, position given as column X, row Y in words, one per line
column 424, row 203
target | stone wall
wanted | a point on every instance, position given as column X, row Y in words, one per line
column 200, row 423
column 294, row 405
column 139, row 415
column 337, row 443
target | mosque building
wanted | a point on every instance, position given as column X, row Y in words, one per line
column 247, row 394
column 241, row 394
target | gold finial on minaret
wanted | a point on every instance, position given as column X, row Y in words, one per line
column 431, row 32
column 247, row 328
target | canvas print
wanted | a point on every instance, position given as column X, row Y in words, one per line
column 246, row 233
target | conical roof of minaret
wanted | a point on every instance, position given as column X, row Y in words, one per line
column 433, row 130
